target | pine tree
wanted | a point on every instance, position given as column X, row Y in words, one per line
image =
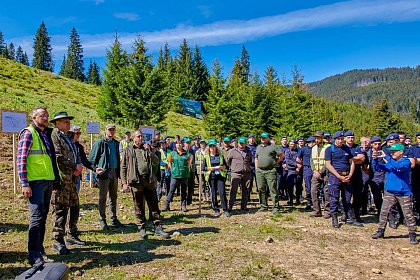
column 200, row 77
column 182, row 79
column 25, row 59
column 42, row 57
column 19, row 54
column 385, row 121
column 244, row 65
column 114, row 81
column 93, row 74
column 2, row 44
column 63, row 66
column 11, row 52
column 73, row 67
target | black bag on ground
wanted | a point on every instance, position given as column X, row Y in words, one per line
column 46, row 271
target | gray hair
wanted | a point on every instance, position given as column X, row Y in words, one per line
column 35, row 111
column 74, row 127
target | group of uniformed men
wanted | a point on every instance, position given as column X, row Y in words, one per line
column 50, row 163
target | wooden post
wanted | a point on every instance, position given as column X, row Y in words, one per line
column 200, row 186
column 90, row 171
column 14, row 164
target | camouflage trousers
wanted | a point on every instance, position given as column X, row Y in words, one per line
column 406, row 203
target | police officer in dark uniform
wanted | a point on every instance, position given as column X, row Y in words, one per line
column 252, row 146
column 292, row 171
column 340, row 164
column 376, row 178
column 304, row 163
column 356, row 181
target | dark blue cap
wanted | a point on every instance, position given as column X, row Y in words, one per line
column 417, row 134
column 300, row 138
column 392, row 136
column 337, row 134
column 375, row 139
column 284, row 137
column 166, row 137
column 348, row 133
column 293, row 141
column 407, row 137
column 251, row 136
column 310, row 139
column 157, row 133
column 162, row 141
column 233, row 140
column 327, row 134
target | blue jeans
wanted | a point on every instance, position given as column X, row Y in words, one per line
column 39, row 204
column 175, row 182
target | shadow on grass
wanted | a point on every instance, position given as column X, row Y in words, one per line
column 8, row 260
column 195, row 230
column 126, row 228
column 13, row 227
column 88, row 206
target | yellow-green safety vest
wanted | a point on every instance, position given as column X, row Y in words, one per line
column 38, row 163
column 318, row 158
column 164, row 158
column 208, row 164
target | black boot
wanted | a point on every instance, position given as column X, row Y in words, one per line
column 392, row 221
column 353, row 222
column 413, row 239
column 343, row 218
column 380, row 233
column 159, row 231
column 184, row 207
column 335, row 223
column 73, row 239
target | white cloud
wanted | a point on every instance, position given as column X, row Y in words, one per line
column 357, row 12
column 127, row 16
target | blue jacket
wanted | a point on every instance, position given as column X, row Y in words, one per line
column 397, row 175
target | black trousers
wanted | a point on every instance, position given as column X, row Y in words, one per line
column 143, row 192
column 217, row 185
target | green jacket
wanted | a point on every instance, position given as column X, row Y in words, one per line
column 134, row 165
column 99, row 156
column 179, row 165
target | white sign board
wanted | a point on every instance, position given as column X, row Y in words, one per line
column 13, row 122
column 148, row 133
column 93, row 127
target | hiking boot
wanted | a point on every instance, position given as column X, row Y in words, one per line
column 290, row 203
column 353, row 222
column 116, row 223
column 73, row 239
column 227, row 214
column 308, row 207
column 184, row 207
column 60, row 249
column 360, row 220
column 159, row 231
column 103, row 225
column 380, row 233
column 143, row 234
column 262, row 209
column 315, row 215
column 297, row 202
column 413, row 239
column 216, row 214
column 343, row 218
column 245, row 210
column 166, row 208
column 334, row 221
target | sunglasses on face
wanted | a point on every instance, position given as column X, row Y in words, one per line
column 77, row 133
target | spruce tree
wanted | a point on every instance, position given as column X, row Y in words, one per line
column 181, row 82
column 93, row 74
column 200, row 77
column 42, row 57
column 20, row 55
column 73, row 67
column 25, row 60
column 244, row 65
column 2, row 45
column 11, row 53
column 63, row 66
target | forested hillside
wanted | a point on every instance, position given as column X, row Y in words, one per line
column 400, row 86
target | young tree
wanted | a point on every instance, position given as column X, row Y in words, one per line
column 63, row 66
column 42, row 57
column 2, row 44
column 93, row 74
column 73, row 67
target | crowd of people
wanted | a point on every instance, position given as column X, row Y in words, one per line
column 338, row 175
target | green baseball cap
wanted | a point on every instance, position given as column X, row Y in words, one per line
column 396, row 147
column 187, row 140
column 265, row 135
column 242, row 140
column 212, row 142
column 226, row 139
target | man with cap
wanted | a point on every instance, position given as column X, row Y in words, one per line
column 240, row 159
column 36, row 146
column 397, row 170
column 69, row 163
column 301, row 143
column 124, row 143
column 105, row 157
column 252, row 146
column 359, row 157
column 292, row 172
column 190, row 189
column 199, row 158
column 138, row 177
column 414, row 156
column 165, row 173
column 407, row 142
column 327, row 137
column 157, row 136
column 266, row 157
column 304, row 163
column 319, row 180
column 340, row 164
column 376, row 178
column 225, row 152
column 282, row 170
column 196, row 144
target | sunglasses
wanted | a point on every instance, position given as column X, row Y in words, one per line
column 77, row 133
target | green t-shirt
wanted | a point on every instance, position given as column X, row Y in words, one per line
column 267, row 155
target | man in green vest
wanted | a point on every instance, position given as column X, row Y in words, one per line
column 320, row 177
column 127, row 140
column 69, row 162
column 38, row 175
column 266, row 157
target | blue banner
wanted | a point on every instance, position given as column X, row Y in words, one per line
column 191, row 107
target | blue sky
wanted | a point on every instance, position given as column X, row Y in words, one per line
column 321, row 37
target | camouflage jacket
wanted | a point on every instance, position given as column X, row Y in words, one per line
column 67, row 154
